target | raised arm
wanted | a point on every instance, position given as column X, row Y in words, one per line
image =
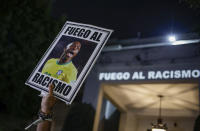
column 47, row 105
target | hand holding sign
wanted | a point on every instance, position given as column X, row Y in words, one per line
column 48, row 101
column 60, row 67
column 45, row 114
column 47, row 105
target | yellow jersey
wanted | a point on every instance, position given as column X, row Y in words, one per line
column 66, row 72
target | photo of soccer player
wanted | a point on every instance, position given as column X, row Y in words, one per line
column 62, row 68
column 61, row 63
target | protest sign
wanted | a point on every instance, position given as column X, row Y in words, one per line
column 69, row 59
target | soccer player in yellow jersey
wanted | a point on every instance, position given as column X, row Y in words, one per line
column 62, row 68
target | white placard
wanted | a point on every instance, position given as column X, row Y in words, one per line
column 69, row 59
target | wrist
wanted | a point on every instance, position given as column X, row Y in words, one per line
column 45, row 116
column 46, row 110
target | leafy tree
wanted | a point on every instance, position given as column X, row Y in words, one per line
column 193, row 3
column 27, row 29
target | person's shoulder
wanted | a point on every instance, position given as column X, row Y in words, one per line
column 74, row 67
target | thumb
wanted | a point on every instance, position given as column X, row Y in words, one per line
column 51, row 87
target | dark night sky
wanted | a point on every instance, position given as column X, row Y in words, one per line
column 127, row 17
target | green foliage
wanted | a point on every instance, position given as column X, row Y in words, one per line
column 193, row 3
column 27, row 29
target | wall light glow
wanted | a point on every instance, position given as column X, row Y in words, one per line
column 158, row 130
column 172, row 38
